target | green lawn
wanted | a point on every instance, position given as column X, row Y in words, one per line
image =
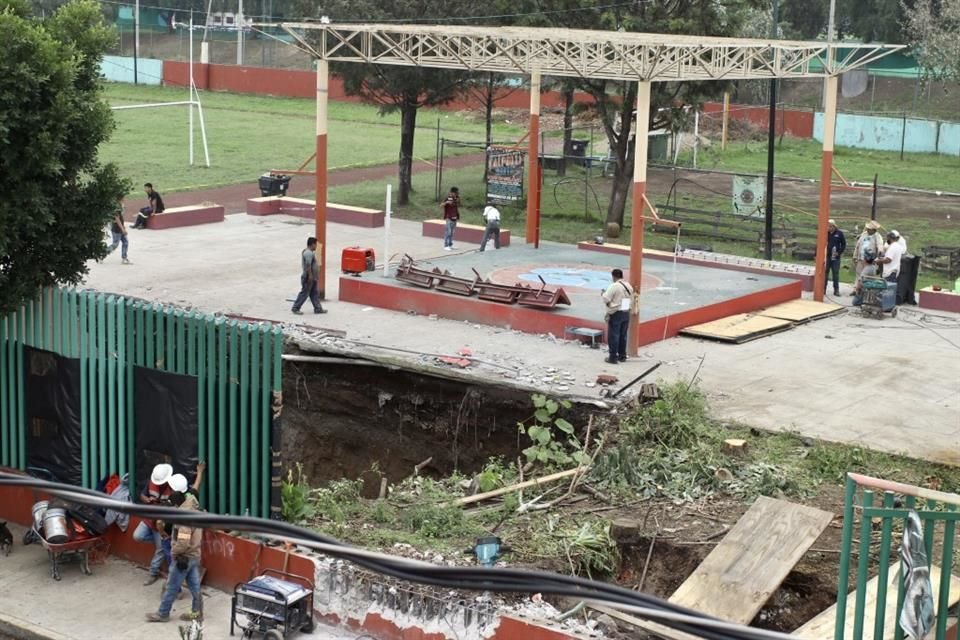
column 249, row 135
column 801, row 158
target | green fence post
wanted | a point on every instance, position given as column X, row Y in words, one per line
column 120, row 364
column 160, row 361
column 177, row 361
column 264, row 461
column 111, row 391
column 256, row 420
column 47, row 317
column 222, row 377
column 928, row 531
column 884, row 569
column 85, row 422
column 244, row 416
column 210, row 486
column 103, row 442
column 196, row 366
column 234, row 415
column 846, row 543
column 150, row 345
column 946, row 570
column 275, row 443
column 5, row 373
column 139, row 355
column 863, row 564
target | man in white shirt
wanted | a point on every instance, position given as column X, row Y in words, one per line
column 891, row 258
column 491, row 216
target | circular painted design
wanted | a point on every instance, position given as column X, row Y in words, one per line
column 569, row 277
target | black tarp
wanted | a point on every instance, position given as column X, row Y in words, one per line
column 165, row 406
column 52, row 413
column 907, row 279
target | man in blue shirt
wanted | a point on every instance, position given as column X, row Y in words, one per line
column 836, row 245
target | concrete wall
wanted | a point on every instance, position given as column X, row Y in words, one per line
column 794, row 122
column 889, row 134
column 120, row 69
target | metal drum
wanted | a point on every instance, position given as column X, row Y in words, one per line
column 55, row 526
column 39, row 509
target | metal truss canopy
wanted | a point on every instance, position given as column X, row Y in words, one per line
column 601, row 55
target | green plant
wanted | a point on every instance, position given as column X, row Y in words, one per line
column 589, row 548
column 495, row 474
column 339, row 501
column 295, row 505
column 553, row 440
column 678, row 420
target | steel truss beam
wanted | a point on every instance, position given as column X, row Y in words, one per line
column 601, row 55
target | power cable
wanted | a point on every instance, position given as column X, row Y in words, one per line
column 464, row 578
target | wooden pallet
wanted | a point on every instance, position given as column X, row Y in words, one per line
column 738, row 328
column 802, row 311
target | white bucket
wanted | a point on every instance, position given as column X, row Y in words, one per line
column 55, row 526
column 39, row 509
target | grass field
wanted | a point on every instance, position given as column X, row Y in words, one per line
column 801, row 159
column 249, row 135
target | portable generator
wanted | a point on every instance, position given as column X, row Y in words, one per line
column 274, row 604
column 356, row 260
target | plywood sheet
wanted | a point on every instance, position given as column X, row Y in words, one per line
column 738, row 328
column 748, row 565
column 823, row 626
column 802, row 310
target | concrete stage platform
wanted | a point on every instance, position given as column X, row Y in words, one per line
column 673, row 296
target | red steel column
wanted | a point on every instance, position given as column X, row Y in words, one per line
column 636, row 215
column 826, row 180
column 533, row 162
column 320, row 219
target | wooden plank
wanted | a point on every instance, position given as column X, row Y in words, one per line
column 823, row 626
column 738, row 328
column 748, row 565
column 802, row 310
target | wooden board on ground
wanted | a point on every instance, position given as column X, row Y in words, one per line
column 738, row 328
column 802, row 310
column 824, row 625
column 743, row 571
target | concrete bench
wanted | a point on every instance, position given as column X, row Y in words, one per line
column 304, row 208
column 472, row 233
column 187, row 216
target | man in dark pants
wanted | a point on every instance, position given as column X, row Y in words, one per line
column 836, row 245
column 617, row 298
column 155, row 205
column 309, row 279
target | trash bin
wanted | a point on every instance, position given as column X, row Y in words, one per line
column 271, row 185
column 578, row 149
column 907, row 279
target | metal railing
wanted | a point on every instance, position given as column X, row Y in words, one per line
column 888, row 504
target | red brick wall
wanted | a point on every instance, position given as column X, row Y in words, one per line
column 303, row 84
column 797, row 123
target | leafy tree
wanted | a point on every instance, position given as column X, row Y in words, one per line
column 55, row 196
column 403, row 89
column 933, row 28
column 487, row 89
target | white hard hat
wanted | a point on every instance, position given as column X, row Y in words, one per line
column 178, row 482
column 161, row 474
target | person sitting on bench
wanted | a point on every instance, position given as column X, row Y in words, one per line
column 154, row 206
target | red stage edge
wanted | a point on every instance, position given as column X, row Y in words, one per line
column 368, row 292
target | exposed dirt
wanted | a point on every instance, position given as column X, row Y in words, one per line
column 339, row 420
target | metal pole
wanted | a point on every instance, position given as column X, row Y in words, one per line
column 386, row 235
column 696, row 135
column 136, row 38
column 826, row 179
column 190, row 87
column 533, row 141
column 830, row 25
column 320, row 219
column 641, row 140
column 239, row 25
column 873, row 203
column 771, row 136
column 726, row 120
column 903, row 135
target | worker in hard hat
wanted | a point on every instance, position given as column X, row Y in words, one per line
column 156, row 491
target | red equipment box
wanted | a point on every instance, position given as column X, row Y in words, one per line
column 356, row 260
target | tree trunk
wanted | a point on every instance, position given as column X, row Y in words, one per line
column 488, row 100
column 408, row 125
column 619, row 191
column 567, row 128
column 623, row 153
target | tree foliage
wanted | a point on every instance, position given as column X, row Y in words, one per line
column 933, row 28
column 55, row 196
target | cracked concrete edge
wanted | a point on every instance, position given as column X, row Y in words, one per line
column 19, row 629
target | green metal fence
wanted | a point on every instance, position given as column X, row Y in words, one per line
column 237, row 366
column 875, row 513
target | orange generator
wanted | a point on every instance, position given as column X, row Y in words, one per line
column 356, row 260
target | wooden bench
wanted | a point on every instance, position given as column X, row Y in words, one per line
column 304, row 208
column 187, row 216
column 472, row 233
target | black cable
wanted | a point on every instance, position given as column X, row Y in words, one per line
column 464, row 578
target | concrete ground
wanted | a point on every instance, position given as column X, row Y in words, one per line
column 891, row 384
column 111, row 603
